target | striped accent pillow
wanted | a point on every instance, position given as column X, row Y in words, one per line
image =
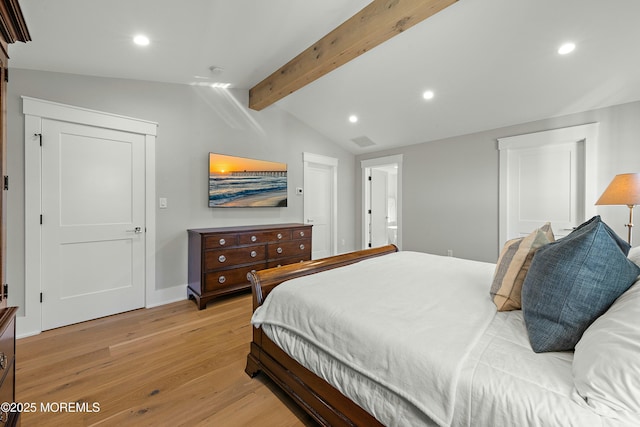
column 512, row 267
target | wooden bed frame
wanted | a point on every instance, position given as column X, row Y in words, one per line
column 318, row 398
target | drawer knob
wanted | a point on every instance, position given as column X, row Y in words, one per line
column 254, row 238
column 279, row 235
column 222, row 258
column 301, row 247
column 222, row 279
column 279, row 265
column 254, row 254
column 302, row 234
column 3, row 360
column 279, row 250
column 222, row 242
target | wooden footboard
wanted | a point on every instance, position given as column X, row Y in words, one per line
column 322, row 401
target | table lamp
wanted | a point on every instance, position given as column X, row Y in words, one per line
column 624, row 189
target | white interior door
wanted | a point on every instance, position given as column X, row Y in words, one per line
column 320, row 203
column 93, row 222
column 378, row 185
column 547, row 176
column 546, row 184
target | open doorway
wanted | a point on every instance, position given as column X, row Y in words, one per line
column 382, row 195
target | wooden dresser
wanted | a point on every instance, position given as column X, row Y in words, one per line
column 220, row 258
column 8, row 364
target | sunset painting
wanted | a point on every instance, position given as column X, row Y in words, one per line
column 241, row 182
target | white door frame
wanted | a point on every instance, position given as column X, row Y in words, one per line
column 587, row 133
column 381, row 161
column 332, row 163
column 34, row 111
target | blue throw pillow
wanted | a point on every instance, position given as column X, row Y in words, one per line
column 572, row 282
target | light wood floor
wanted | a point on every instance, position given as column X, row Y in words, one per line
column 169, row 365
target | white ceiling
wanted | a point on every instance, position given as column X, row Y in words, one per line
column 491, row 63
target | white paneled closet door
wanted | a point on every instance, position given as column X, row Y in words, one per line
column 547, row 176
column 545, row 184
column 93, row 222
column 320, row 203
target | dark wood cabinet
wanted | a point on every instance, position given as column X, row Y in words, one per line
column 8, row 364
column 12, row 29
column 221, row 258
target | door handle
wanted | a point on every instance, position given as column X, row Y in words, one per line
column 136, row 230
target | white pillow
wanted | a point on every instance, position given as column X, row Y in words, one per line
column 606, row 362
column 634, row 255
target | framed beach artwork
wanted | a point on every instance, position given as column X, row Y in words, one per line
column 238, row 182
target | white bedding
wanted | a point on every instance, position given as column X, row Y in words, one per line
column 382, row 319
column 425, row 350
column 504, row 383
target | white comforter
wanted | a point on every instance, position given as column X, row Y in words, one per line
column 407, row 330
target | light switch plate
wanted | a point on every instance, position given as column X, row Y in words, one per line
column 163, row 203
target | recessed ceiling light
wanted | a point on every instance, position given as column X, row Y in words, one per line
column 353, row 118
column 566, row 48
column 428, row 94
column 141, row 40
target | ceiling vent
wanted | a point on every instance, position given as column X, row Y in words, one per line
column 363, row 141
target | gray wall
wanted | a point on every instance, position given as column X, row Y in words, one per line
column 192, row 122
column 450, row 186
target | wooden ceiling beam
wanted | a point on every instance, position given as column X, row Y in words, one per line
column 373, row 25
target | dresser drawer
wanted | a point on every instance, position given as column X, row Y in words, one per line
column 295, row 248
column 222, row 258
column 286, row 261
column 6, row 394
column 7, row 363
column 7, row 348
column 229, row 278
column 6, row 389
column 220, row 241
column 301, row 233
column 264, row 236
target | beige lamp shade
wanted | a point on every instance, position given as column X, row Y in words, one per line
column 624, row 189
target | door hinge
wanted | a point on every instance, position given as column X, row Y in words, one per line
column 5, row 289
column 6, row 182
column 40, row 219
column 369, row 246
column 39, row 135
column 369, row 211
column 369, row 178
column 40, row 296
column 6, row 75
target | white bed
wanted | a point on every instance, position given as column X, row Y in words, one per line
column 433, row 351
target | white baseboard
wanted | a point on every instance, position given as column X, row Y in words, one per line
column 166, row 296
column 27, row 326
column 21, row 333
